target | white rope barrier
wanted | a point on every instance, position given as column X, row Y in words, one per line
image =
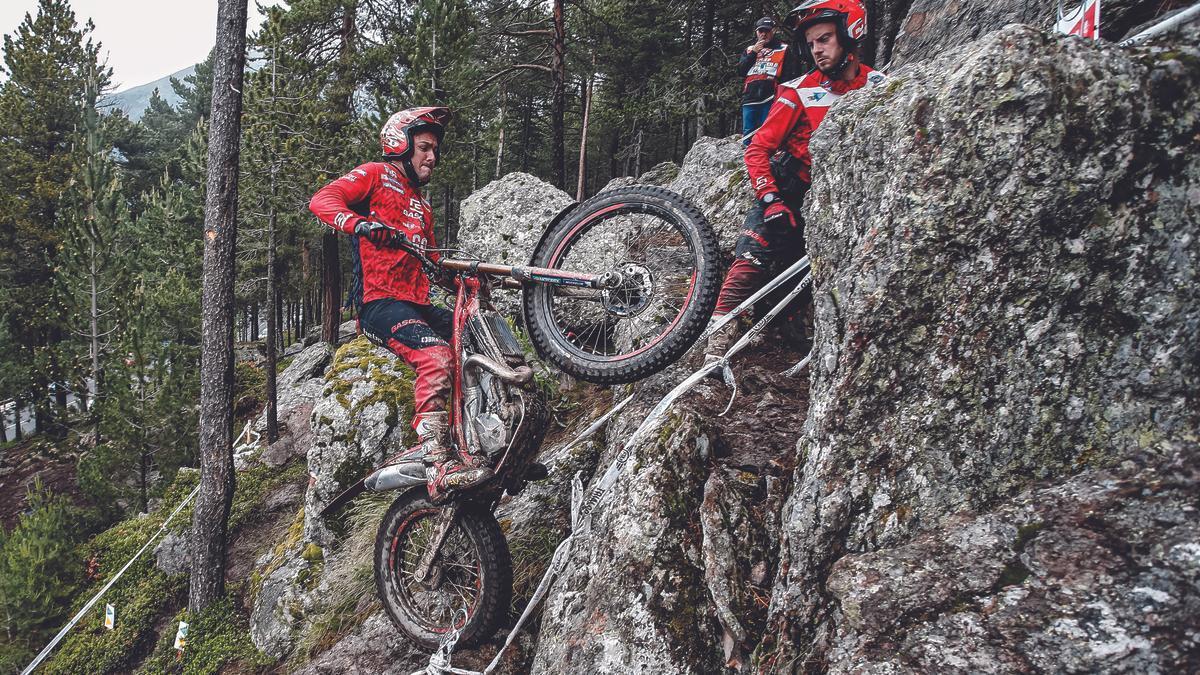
column 95, row 598
column 1163, row 26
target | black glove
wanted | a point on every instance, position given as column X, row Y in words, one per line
column 379, row 234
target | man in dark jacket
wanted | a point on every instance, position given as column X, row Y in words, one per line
column 764, row 65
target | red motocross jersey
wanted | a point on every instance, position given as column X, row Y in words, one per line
column 796, row 113
column 385, row 194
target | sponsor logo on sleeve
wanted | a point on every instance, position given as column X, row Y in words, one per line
column 816, row 97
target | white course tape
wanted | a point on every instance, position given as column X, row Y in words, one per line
column 95, row 598
column 1163, row 26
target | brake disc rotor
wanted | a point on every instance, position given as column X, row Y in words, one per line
column 634, row 294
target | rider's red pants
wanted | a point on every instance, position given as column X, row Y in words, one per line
column 418, row 334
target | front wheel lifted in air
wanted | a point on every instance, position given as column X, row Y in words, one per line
column 661, row 269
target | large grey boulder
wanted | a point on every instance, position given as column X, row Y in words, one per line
column 676, row 571
column 906, row 31
column 376, row 648
column 361, row 418
column 282, row 595
column 173, row 555
column 1006, row 293
column 1101, row 573
column 713, row 178
column 933, row 27
column 632, row 597
column 502, row 222
column 299, row 384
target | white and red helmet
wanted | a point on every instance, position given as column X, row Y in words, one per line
column 848, row 17
column 396, row 135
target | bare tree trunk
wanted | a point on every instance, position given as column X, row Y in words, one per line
column 706, row 60
column 95, row 321
column 210, row 520
column 526, row 141
column 331, row 281
column 587, row 109
column 331, row 268
column 500, row 144
column 637, row 154
column 558, row 75
column 272, row 290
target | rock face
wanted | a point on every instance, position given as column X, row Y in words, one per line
column 300, row 383
column 1097, row 574
column 1008, row 294
column 933, row 27
column 632, row 598
column 362, row 417
column 675, row 574
column 910, row 31
column 377, row 648
column 713, row 178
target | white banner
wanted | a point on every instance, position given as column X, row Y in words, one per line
column 1083, row 21
column 181, row 636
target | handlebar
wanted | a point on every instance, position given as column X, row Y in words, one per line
column 514, row 276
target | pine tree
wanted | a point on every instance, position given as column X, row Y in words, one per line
column 148, row 415
column 89, row 270
column 48, row 61
column 39, row 569
column 211, row 516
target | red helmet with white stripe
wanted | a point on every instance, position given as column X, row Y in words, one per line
column 848, row 16
column 396, row 135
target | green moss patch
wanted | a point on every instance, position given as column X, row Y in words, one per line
column 391, row 378
column 217, row 637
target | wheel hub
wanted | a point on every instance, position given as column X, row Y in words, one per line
column 632, row 294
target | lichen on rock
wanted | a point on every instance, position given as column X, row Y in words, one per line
column 362, row 418
column 1004, row 249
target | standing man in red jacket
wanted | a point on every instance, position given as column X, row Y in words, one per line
column 381, row 204
column 778, row 160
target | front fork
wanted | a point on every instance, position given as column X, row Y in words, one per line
column 425, row 574
column 465, row 306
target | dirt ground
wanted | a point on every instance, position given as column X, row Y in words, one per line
column 24, row 462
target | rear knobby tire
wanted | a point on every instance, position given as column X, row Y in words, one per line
column 475, row 541
column 688, row 223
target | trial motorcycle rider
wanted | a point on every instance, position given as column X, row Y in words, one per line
column 381, row 203
column 778, row 159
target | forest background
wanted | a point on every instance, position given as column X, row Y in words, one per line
column 101, row 216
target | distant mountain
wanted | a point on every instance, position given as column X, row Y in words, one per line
column 134, row 101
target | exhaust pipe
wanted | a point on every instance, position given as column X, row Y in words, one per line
column 519, row 376
column 396, row 477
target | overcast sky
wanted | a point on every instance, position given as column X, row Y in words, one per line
column 143, row 40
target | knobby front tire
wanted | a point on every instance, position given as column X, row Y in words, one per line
column 473, row 568
column 671, row 265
